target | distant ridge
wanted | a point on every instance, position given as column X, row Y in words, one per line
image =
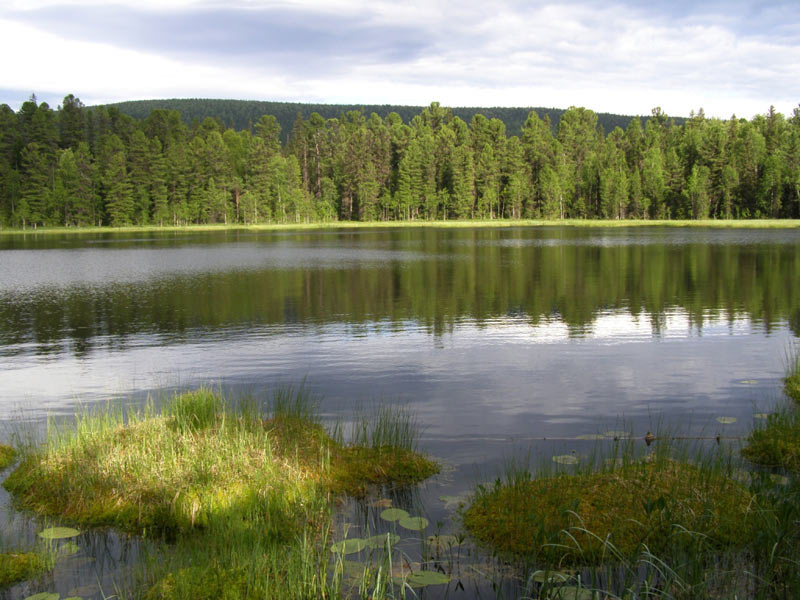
column 241, row 114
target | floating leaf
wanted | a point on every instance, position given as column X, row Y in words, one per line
column 779, row 479
column 573, row 592
column 748, row 381
column 591, row 436
column 422, row 578
column 393, row 514
column 443, row 542
column 451, row 502
column 44, row 596
column 68, row 549
column 620, row 435
column 726, row 420
column 565, row 459
column 380, row 541
column 742, row 476
column 381, row 503
column 58, row 533
column 349, row 546
column 353, row 568
column 413, row 523
column 761, row 416
column 551, row 576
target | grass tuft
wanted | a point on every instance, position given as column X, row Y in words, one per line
column 242, row 499
column 577, row 518
column 16, row 567
column 7, row 456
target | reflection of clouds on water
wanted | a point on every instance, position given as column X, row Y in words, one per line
column 21, row 271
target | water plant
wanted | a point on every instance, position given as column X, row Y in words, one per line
column 239, row 499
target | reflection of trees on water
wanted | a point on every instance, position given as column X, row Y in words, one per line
column 453, row 280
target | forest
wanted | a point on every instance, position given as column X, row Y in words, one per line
column 80, row 166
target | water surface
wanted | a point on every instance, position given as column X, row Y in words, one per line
column 496, row 338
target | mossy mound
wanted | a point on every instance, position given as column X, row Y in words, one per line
column 7, row 456
column 579, row 518
column 195, row 463
column 16, row 567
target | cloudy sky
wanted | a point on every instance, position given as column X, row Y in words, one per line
column 624, row 57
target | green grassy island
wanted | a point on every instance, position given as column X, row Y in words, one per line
column 242, row 500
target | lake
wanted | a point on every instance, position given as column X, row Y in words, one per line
column 502, row 341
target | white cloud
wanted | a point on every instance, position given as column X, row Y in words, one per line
column 608, row 57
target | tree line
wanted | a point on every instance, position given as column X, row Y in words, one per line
column 77, row 166
column 241, row 114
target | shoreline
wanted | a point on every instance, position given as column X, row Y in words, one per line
column 439, row 224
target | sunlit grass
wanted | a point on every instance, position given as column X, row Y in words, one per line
column 716, row 223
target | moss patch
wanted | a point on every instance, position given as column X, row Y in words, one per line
column 16, row 567
column 630, row 506
column 7, row 456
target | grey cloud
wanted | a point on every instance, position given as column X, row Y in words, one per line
column 301, row 41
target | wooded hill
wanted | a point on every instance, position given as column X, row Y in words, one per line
column 243, row 114
column 78, row 165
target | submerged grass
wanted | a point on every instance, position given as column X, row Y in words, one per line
column 244, row 498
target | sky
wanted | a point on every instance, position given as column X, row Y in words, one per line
column 729, row 57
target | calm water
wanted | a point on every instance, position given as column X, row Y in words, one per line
column 496, row 338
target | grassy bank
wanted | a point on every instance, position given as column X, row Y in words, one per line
column 241, row 499
column 496, row 223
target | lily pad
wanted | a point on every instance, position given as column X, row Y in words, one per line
column 573, row 592
column 565, row 459
column 413, row 523
column 44, row 596
column 380, row 541
column 58, row 533
column 779, row 479
column 68, row 549
column 618, row 434
column 451, row 502
column 349, row 546
column 423, row 578
column 443, row 542
column 761, row 416
column 551, row 576
column 353, row 568
column 726, row 420
column 393, row 514
column 381, row 503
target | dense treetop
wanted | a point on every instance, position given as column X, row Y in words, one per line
column 77, row 166
column 242, row 114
